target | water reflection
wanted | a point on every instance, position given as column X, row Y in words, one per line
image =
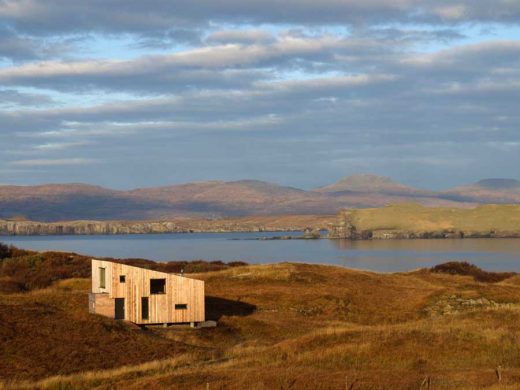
column 378, row 255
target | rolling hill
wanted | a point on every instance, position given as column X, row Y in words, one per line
column 217, row 199
column 370, row 183
column 487, row 191
column 280, row 326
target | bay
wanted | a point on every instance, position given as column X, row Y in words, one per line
column 375, row 255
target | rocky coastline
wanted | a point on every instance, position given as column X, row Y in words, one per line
column 391, row 222
column 261, row 224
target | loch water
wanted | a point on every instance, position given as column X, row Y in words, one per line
column 375, row 255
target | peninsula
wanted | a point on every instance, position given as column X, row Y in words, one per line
column 415, row 221
column 400, row 221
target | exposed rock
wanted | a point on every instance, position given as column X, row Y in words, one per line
column 343, row 228
column 453, row 304
column 253, row 224
column 311, row 233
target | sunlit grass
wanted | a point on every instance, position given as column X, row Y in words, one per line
column 316, row 327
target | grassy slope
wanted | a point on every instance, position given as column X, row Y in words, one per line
column 412, row 217
column 50, row 331
column 285, row 326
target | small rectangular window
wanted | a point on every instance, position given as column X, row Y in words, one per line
column 101, row 277
column 181, row 306
column 122, row 278
column 144, row 308
column 157, row 286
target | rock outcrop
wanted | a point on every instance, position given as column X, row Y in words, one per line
column 453, row 304
column 254, row 224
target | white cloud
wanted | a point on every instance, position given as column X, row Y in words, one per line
column 60, row 145
column 257, row 82
column 240, row 36
column 53, row 162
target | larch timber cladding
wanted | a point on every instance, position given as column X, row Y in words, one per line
column 179, row 290
column 102, row 304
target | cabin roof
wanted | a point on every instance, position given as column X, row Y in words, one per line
column 142, row 268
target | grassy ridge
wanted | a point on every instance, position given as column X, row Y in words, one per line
column 413, row 217
column 285, row 326
column 24, row 270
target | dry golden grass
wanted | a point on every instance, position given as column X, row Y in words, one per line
column 417, row 218
column 298, row 326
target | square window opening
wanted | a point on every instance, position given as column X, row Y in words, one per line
column 157, row 286
column 122, row 278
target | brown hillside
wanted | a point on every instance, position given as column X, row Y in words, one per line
column 219, row 199
column 489, row 191
column 280, row 326
column 371, row 184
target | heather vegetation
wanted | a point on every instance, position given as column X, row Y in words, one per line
column 465, row 268
column 23, row 270
column 4, row 251
column 282, row 326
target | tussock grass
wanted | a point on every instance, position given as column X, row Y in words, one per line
column 87, row 380
column 314, row 327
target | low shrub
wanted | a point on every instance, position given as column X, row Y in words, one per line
column 4, row 251
column 24, row 270
column 468, row 269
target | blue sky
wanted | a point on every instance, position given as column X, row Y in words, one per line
column 129, row 94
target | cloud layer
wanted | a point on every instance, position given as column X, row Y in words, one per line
column 137, row 93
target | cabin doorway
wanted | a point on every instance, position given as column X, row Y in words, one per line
column 120, row 309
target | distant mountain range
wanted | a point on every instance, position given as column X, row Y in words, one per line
column 215, row 199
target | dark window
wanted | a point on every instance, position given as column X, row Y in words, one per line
column 101, row 277
column 144, row 308
column 157, row 286
column 181, row 306
column 122, row 278
column 120, row 309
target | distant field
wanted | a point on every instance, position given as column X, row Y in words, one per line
column 416, row 218
column 282, row 326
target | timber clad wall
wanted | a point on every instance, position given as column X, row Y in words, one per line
column 101, row 304
column 179, row 290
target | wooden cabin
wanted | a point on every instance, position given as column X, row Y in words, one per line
column 144, row 296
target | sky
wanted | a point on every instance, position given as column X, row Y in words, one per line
column 132, row 93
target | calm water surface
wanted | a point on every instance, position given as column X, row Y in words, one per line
column 391, row 255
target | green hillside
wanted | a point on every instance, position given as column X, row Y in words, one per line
column 495, row 219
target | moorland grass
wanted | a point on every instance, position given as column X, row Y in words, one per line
column 305, row 327
column 417, row 218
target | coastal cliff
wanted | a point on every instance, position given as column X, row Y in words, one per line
column 185, row 225
column 411, row 221
column 404, row 221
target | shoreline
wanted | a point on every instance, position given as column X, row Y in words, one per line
column 110, row 229
column 403, row 221
column 283, row 223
